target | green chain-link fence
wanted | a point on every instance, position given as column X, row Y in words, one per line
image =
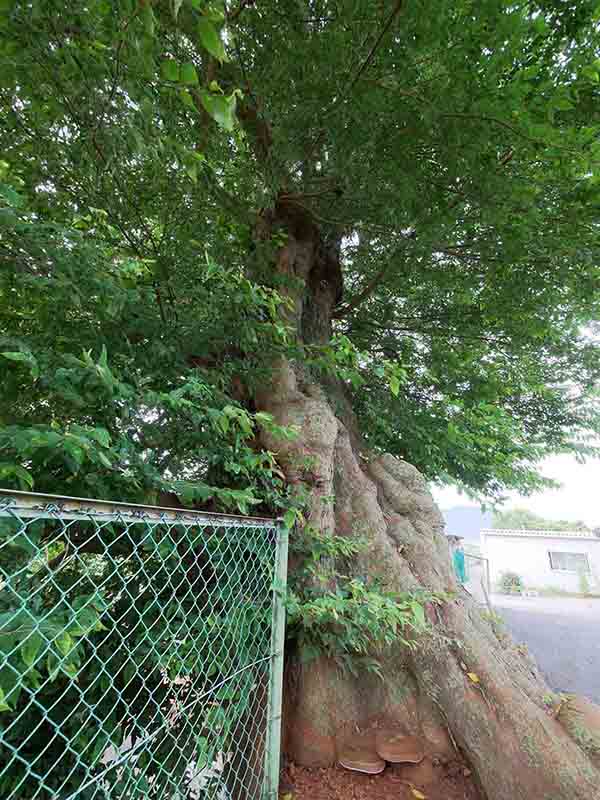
column 140, row 652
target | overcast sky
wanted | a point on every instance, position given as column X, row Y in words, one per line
column 577, row 499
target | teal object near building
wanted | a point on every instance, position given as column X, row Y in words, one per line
column 459, row 565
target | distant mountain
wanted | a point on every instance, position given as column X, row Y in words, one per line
column 467, row 521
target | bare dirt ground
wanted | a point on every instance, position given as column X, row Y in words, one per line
column 432, row 779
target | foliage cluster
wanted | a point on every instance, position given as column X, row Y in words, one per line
column 511, row 583
column 351, row 620
column 100, row 399
column 521, row 518
column 456, row 169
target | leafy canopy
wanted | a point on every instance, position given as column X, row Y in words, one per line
column 452, row 147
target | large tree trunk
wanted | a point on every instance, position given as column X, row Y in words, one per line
column 500, row 724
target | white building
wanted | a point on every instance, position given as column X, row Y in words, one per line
column 564, row 560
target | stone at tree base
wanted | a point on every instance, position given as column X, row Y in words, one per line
column 397, row 748
column 419, row 774
column 359, row 753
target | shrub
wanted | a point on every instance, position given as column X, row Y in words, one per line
column 511, row 583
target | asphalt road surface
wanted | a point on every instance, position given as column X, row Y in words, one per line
column 563, row 635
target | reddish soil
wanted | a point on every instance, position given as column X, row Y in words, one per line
column 437, row 779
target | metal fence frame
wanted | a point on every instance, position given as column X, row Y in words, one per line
column 485, row 577
column 27, row 506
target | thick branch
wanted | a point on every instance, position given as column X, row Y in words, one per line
column 366, row 292
column 372, row 51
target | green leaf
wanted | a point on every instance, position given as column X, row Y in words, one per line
column 591, row 73
column 227, row 693
column 3, row 704
column 70, row 669
column 30, row 649
column 104, row 460
column 394, row 385
column 147, row 15
column 101, row 435
column 13, row 198
column 169, row 69
column 52, row 666
column 34, row 678
column 189, row 76
column 210, row 39
column 187, row 99
column 418, row 614
column 289, row 518
column 563, row 104
column 74, row 454
column 214, row 14
column 220, row 108
column 85, row 620
column 25, row 478
column 204, row 753
column 64, row 642
column 224, row 423
column 191, row 163
column 25, row 358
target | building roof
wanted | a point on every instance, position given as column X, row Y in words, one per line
column 547, row 534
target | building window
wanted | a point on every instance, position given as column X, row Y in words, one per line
column 569, row 562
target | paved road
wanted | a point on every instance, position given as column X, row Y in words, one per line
column 562, row 634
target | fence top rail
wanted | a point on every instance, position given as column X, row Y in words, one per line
column 34, row 504
column 476, row 557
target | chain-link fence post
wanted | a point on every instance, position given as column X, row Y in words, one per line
column 273, row 748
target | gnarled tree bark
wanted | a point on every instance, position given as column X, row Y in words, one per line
column 500, row 724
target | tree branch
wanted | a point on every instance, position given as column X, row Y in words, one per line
column 369, row 58
column 366, row 292
column 503, row 124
